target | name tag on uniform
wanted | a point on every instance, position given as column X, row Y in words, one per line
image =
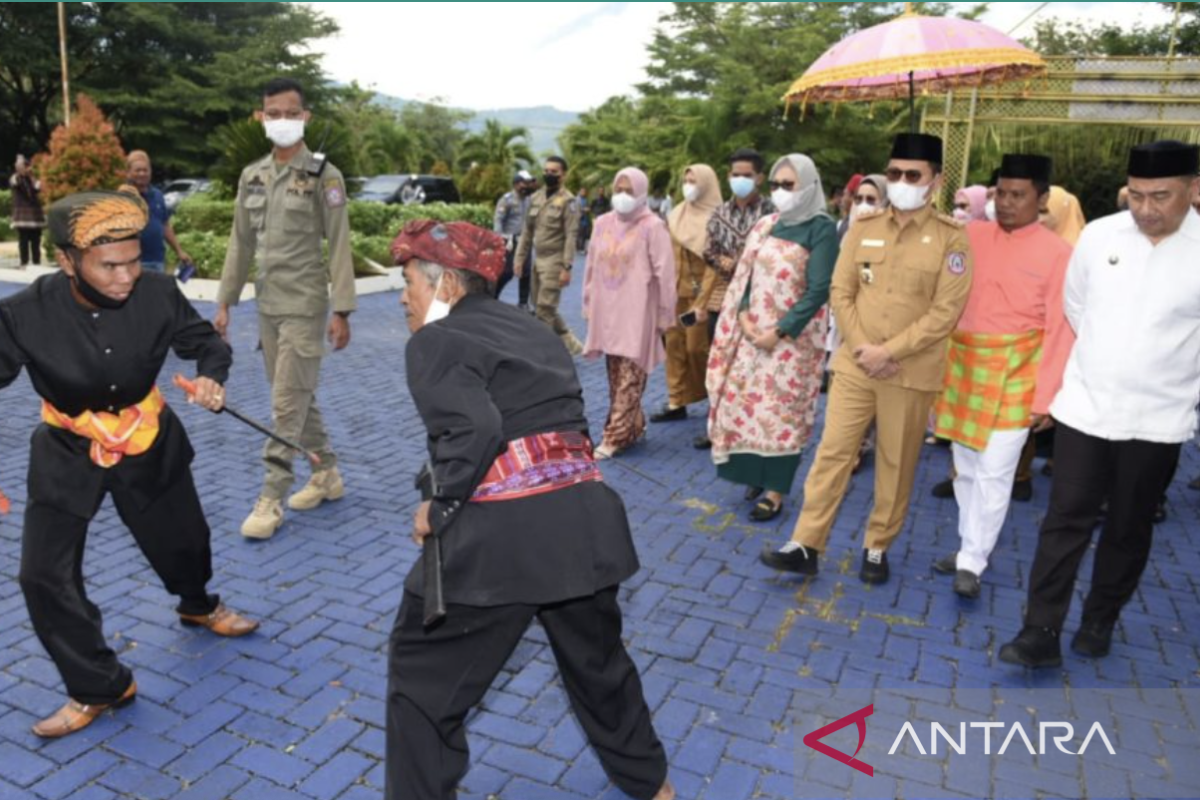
column 873, row 243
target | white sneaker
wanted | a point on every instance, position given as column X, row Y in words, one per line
column 264, row 520
column 324, row 485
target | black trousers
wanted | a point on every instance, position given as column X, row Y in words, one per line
column 29, row 243
column 1133, row 476
column 524, row 282
column 174, row 536
column 435, row 677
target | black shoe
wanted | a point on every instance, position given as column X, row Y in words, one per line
column 752, row 493
column 666, row 414
column 966, row 584
column 1022, row 491
column 1194, row 484
column 943, row 490
column 801, row 560
column 946, row 565
column 765, row 511
column 1048, row 469
column 1034, row 648
column 1093, row 639
column 702, row 443
column 1160, row 512
column 874, row 567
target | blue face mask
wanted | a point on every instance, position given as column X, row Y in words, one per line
column 742, row 187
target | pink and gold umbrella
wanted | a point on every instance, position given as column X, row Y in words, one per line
column 889, row 61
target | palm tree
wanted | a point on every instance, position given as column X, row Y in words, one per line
column 497, row 145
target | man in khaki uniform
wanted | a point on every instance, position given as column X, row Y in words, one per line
column 899, row 287
column 287, row 203
column 551, row 229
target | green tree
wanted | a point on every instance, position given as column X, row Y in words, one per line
column 167, row 74
column 379, row 141
column 438, row 131
column 716, row 74
column 496, row 145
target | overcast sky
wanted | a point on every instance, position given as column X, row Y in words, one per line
column 569, row 55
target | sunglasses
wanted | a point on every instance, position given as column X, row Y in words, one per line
column 789, row 186
column 909, row 175
column 869, row 200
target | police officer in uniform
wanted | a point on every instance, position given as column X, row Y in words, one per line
column 551, row 229
column 898, row 289
column 509, row 221
column 287, row 203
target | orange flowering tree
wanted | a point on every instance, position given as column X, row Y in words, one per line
column 83, row 155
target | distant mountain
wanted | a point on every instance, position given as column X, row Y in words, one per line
column 544, row 123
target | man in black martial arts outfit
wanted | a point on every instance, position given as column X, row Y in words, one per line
column 93, row 338
column 526, row 525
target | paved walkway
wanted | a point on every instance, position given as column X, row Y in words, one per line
column 727, row 647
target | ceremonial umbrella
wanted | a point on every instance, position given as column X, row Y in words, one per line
column 889, row 61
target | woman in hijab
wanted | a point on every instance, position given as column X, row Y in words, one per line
column 764, row 372
column 687, row 344
column 629, row 302
column 1064, row 215
column 970, row 204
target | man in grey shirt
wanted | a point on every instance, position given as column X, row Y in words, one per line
column 509, row 222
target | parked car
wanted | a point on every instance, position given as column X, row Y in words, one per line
column 179, row 190
column 409, row 190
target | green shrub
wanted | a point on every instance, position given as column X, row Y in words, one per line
column 202, row 214
column 376, row 248
column 7, row 234
column 369, row 218
column 206, row 248
column 5, row 203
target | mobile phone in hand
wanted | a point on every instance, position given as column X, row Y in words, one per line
column 687, row 320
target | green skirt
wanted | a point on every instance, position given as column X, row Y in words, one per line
column 774, row 474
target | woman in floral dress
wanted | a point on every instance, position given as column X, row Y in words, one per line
column 764, row 371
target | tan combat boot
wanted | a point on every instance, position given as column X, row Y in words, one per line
column 323, row 485
column 264, row 520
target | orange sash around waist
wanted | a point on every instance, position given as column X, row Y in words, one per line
column 130, row 432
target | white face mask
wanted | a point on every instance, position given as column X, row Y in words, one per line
column 784, row 201
column 863, row 209
column 907, row 197
column 741, row 186
column 284, row 132
column 962, row 215
column 624, row 203
column 438, row 309
column 989, row 210
column 690, row 192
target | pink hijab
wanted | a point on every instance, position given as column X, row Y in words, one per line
column 976, row 197
column 641, row 192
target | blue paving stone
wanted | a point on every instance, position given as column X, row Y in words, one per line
column 21, row 766
column 135, row 780
column 336, row 775
column 198, row 761
column 216, row 785
column 144, row 748
column 273, row 764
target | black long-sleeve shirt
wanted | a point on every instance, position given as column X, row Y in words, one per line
column 81, row 359
column 483, row 376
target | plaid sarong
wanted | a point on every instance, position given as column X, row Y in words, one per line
column 537, row 464
column 990, row 381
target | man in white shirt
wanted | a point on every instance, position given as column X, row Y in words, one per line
column 1127, row 403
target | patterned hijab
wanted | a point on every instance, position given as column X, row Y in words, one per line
column 688, row 221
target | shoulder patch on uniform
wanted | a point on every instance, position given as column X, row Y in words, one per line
column 949, row 220
column 956, row 263
column 335, row 195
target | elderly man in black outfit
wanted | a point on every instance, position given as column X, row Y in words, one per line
column 526, row 526
column 93, row 338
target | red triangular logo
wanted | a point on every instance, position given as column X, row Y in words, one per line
column 859, row 718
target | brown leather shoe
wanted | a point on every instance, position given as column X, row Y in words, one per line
column 76, row 716
column 221, row 621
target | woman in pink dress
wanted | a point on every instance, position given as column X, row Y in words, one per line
column 629, row 302
column 764, row 371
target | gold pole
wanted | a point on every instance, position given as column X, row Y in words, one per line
column 1174, row 30
column 62, row 50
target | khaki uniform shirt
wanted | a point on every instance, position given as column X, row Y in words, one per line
column 279, row 223
column 551, row 228
column 903, row 287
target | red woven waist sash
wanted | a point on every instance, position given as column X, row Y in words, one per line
column 538, row 464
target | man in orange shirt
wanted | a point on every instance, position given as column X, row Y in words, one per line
column 1006, row 360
